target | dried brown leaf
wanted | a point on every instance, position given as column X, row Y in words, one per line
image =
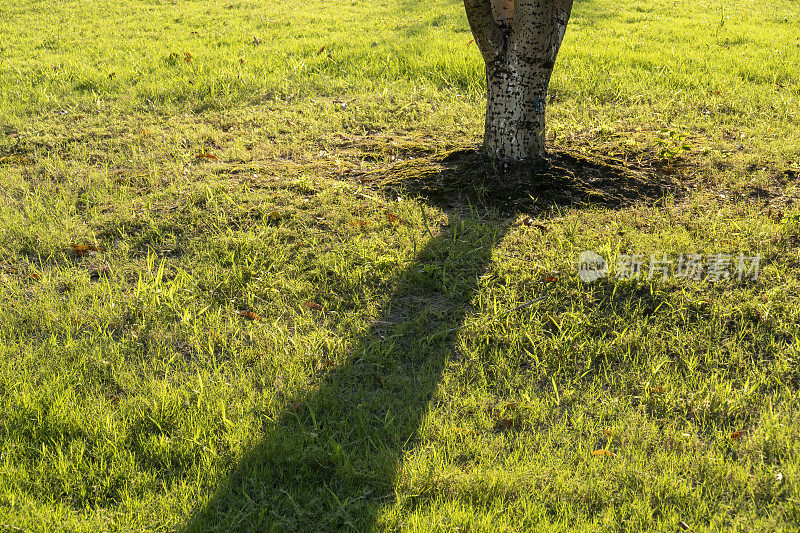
column 395, row 219
column 83, row 249
column 603, row 453
column 250, row 315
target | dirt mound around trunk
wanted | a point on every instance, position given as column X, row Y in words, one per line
column 468, row 176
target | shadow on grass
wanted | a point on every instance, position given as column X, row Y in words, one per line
column 330, row 463
column 466, row 176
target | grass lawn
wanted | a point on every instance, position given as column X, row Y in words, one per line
column 254, row 274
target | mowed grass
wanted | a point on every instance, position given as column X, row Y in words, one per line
column 266, row 336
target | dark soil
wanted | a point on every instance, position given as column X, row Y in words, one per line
column 468, row 176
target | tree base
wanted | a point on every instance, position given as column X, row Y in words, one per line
column 519, row 170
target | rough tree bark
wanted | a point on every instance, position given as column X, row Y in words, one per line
column 519, row 41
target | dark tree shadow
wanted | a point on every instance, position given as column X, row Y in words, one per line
column 330, row 463
column 467, row 176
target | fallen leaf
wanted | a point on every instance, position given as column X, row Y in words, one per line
column 358, row 223
column 531, row 223
column 604, row 453
column 394, row 218
column 83, row 249
column 608, row 433
column 314, row 305
column 320, row 50
column 187, row 57
column 656, row 390
column 206, row 156
column 249, row 315
column 470, row 42
column 736, row 435
column 550, row 278
column 296, row 405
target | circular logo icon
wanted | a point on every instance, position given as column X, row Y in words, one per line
column 591, row 266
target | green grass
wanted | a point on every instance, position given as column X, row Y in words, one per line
column 381, row 382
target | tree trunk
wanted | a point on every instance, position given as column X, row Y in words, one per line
column 519, row 42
